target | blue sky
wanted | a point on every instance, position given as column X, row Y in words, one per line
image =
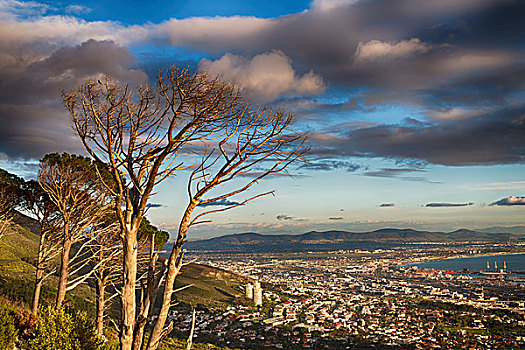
column 406, row 103
column 155, row 11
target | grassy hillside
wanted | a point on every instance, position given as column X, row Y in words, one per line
column 18, row 250
column 211, row 286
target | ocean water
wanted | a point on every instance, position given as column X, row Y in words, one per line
column 515, row 262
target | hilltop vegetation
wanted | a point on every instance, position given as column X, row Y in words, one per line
column 18, row 249
column 209, row 286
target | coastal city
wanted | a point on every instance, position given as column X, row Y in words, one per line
column 359, row 298
column 261, row 175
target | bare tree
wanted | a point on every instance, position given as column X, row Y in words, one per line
column 37, row 203
column 258, row 147
column 75, row 189
column 106, row 254
column 152, row 239
column 28, row 196
column 140, row 136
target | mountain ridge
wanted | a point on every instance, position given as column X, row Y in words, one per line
column 338, row 239
column 508, row 229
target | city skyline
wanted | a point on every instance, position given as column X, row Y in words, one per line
column 414, row 111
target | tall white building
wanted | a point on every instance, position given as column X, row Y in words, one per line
column 257, row 293
column 249, row 291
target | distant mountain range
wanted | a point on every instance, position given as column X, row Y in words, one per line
column 330, row 240
column 334, row 240
column 520, row 230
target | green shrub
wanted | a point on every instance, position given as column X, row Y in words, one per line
column 111, row 345
column 59, row 330
column 8, row 332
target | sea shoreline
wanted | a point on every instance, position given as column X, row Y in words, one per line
column 463, row 256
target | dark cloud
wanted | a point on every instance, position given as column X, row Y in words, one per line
column 398, row 173
column 257, row 173
column 510, row 201
column 448, row 58
column 25, row 169
column 327, row 165
column 221, row 202
column 33, row 118
column 155, row 205
column 461, row 57
column 440, row 205
column 284, row 217
column 335, row 218
column 487, row 138
column 386, row 205
column 400, row 50
column 500, row 24
column 390, row 172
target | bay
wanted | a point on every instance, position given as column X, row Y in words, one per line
column 514, row 262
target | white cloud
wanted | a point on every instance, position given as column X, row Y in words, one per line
column 375, row 50
column 457, row 113
column 23, row 27
column 50, row 32
column 328, row 5
column 77, row 9
column 265, row 77
column 14, row 8
column 212, row 33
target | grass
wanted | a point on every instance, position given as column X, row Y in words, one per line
column 210, row 286
column 18, row 248
column 18, row 251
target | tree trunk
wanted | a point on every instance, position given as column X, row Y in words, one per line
column 38, row 287
column 128, row 289
column 64, row 273
column 101, row 305
column 171, row 275
column 173, row 271
column 139, row 332
column 192, row 329
column 147, row 300
column 39, row 275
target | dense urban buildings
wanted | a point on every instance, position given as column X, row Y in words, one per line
column 347, row 299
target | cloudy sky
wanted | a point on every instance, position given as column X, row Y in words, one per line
column 415, row 110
